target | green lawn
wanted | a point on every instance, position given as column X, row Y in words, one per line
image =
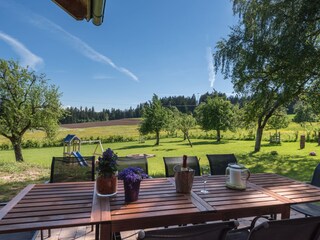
column 290, row 161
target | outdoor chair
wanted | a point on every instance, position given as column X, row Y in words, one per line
column 30, row 235
column 141, row 162
column 72, row 169
column 124, row 162
column 170, row 162
column 68, row 169
column 212, row 231
column 293, row 229
column 219, row 162
column 310, row 209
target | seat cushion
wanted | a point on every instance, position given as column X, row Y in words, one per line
column 309, row 209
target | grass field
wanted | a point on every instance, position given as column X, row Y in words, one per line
column 290, row 161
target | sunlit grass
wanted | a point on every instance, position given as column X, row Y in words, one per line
column 290, row 160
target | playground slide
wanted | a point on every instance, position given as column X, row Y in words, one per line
column 81, row 160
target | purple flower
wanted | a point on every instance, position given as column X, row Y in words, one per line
column 132, row 174
column 107, row 164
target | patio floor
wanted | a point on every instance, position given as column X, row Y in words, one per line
column 85, row 233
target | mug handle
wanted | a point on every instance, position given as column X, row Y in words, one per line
column 249, row 174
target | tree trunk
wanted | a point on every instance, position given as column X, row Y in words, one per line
column 157, row 138
column 258, row 139
column 16, row 143
column 218, row 135
column 187, row 136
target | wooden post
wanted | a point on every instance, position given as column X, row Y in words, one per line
column 302, row 141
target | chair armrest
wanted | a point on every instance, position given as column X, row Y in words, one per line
column 243, row 233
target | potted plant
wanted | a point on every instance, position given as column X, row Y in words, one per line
column 107, row 170
column 132, row 177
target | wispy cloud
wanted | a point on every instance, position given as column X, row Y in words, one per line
column 27, row 57
column 79, row 45
column 212, row 76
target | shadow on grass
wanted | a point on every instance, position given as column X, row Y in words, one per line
column 296, row 167
column 11, row 189
column 166, row 149
column 135, row 147
column 266, row 145
column 205, row 143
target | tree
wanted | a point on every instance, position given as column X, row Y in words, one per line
column 185, row 123
column 215, row 114
column 173, row 116
column 278, row 120
column 304, row 113
column 154, row 118
column 27, row 103
column 272, row 55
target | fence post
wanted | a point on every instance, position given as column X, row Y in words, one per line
column 302, row 141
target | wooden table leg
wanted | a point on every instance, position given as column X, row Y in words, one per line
column 285, row 213
column 105, row 231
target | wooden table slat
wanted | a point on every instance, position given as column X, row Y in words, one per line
column 167, row 208
column 140, row 204
column 43, row 225
column 32, row 220
column 15, row 200
column 52, row 203
column 48, row 212
column 154, row 214
column 54, row 207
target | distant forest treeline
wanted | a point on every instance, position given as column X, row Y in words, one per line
column 182, row 103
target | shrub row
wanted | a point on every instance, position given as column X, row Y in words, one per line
column 58, row 143
column 285, row 137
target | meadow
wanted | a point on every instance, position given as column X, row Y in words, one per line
column 286, row 159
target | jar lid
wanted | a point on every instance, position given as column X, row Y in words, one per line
column 236, row 166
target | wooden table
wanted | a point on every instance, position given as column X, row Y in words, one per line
column 58, row 205
column 53, row 205
column 160, row 205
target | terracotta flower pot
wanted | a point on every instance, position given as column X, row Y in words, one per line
column 131, row 191
column 107, row 185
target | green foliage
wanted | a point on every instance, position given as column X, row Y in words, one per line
column 278, row 120
column 27, row 102
column 274, row 153
column 185, row 123
column 304, row 113
column 154, row 118
column 173, row 116
column 215, row 114
column 272, row 55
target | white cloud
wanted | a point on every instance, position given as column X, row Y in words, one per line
column 27, row 57
column 212, row 76
column 80, row 46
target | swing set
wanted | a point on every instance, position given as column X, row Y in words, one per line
column 72, row 146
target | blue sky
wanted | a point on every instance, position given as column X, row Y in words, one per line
column 142, row 47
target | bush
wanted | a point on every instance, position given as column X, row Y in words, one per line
column 274, row 153
column 31, row 144
column 5, row 146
